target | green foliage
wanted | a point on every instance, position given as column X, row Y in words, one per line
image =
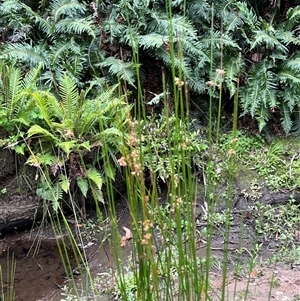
column 62, row 38
column 89, row 42
column 164, row 151
column 269, row 223
column 63, row 127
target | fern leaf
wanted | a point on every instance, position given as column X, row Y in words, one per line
column 77, row 26
column 48, row 106
column 289, row 76
column 26, row 53
column 120, row 68
column 268, row 38
column 43, row 23
column 69, row 95
column 286, row 120
column 83, row 185
column 181, row 26
column 67, row 146
column 12, row 95
column 58, row 51
column 31, row 77
column 152, row 40
column 95, row 177
column 247, row 15
column 232, row 69
column 113, row 131
column 97, row 193
column 38, row 130
column 64, row 183
column 67, row 8
column 294, row 63
column 293, row 16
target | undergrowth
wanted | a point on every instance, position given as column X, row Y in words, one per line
column 81, row 133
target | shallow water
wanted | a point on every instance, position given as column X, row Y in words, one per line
column 39, row 268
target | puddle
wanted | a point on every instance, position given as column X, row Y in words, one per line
column 36, row 275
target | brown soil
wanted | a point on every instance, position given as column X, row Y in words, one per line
column 46, row 272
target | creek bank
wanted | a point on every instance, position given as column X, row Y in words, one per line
column 19, row 205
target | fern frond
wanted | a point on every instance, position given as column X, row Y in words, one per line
column 43, row 23
column 181, row 26
column 31, row 77
column 70, row 8
column 296, row 123
column 76, row 26
column 83, row 185
column 96, row 193
column 286, row 120
column 268, row 38
column 32, row 55
column 51, row 193
column 262, row 117
column 196, row 49
column 287, row 37
column 64, row 182
column 69, row 96
column 124, row 70
column 38, row 130
column 219, row 39
column 95, row 176
column 67, row 146
column 259, row 95
column 289, row 76
column 12, row 95
column 114, row 28
column 247, row 16
column 59, row 50
column 87, row 116
column 232, row 67
column 152, row 40
column 293, row 16
column 294, row 63
column 48, row 106
column 199, row 10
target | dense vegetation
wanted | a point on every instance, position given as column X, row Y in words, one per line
column 76, row 50
column 89, row 89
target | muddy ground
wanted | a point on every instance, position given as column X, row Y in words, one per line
column 41, row 276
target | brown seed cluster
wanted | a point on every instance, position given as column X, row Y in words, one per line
column 147, row 226
column 220, row 75
column 176, row 204
column 132, row 159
